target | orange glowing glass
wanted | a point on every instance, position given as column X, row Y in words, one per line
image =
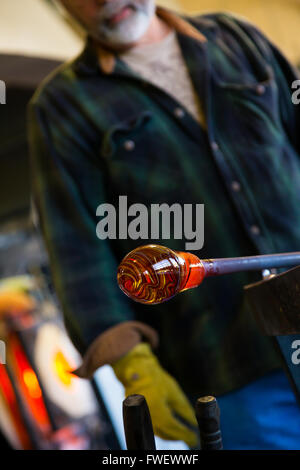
column 152, row 274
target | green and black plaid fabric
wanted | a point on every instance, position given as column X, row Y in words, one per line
column 95, row 136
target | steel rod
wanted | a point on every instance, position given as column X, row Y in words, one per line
column 215, row 267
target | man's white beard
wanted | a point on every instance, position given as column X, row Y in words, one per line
column 129, row 30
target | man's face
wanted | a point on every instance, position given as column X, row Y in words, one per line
column 113, row 22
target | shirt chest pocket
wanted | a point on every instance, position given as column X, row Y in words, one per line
column 253, row 115
column 135, row 159
column 124, row 137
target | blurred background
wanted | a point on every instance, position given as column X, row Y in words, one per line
column 42, row 406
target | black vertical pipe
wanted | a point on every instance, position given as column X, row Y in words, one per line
column 208, row 417
column 137, row 424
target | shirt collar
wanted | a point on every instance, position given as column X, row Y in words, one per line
column 95, row 56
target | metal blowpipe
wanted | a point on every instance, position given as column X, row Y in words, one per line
column 153, row 274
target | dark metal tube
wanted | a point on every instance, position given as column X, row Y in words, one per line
column 137, row 424
column 215, row 267
column 208, row 417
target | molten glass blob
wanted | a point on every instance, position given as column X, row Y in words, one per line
column 152, row 274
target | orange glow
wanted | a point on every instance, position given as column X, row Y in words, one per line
column 63, row 369
column 195, row 270
column 29, row 385
column 6, row 387
column 32, row 384
column 8, row 394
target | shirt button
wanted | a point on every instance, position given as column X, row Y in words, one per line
column 214, row 146
column 260, row 89
column 235, row 186
column 179, row 113
column 255, row 230
column 129, row 145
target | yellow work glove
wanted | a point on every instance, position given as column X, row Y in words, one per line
column 140, row 373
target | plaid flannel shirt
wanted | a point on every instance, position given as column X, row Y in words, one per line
column 244, row 167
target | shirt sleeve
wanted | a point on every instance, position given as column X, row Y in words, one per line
column 67, row 187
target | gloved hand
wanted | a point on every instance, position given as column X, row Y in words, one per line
column 123, row 346
column 141, row 373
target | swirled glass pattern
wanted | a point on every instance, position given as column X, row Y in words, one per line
column 152, row 274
